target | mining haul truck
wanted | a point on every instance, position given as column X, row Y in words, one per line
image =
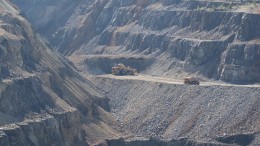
column 122, row 70
column 191, row 81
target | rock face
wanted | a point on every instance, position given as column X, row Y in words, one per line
column 240, row 62
column 43, row 100
column 185, row 37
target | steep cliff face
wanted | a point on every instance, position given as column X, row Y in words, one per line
column 43, row 100
column 240, row 62
column 185, row 37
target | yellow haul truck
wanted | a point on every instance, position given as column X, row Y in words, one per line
column 122, row 70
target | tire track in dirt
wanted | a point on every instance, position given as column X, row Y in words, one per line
column 172, row 80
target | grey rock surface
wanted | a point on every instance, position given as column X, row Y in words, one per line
column 185, row 37
column 202, row 113
column 44, row 100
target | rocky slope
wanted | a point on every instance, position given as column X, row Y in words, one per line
column 43, row 100
column 206, row 114
column 217, row 40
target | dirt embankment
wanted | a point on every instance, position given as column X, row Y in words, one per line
column 167, row 110
column 102, row 64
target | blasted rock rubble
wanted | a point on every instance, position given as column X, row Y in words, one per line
column 203, row 113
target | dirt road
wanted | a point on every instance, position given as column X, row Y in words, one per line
column 170, row 80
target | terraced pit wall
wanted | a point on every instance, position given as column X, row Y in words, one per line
column 185, row 37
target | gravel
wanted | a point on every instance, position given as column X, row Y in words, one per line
column 173, row 111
